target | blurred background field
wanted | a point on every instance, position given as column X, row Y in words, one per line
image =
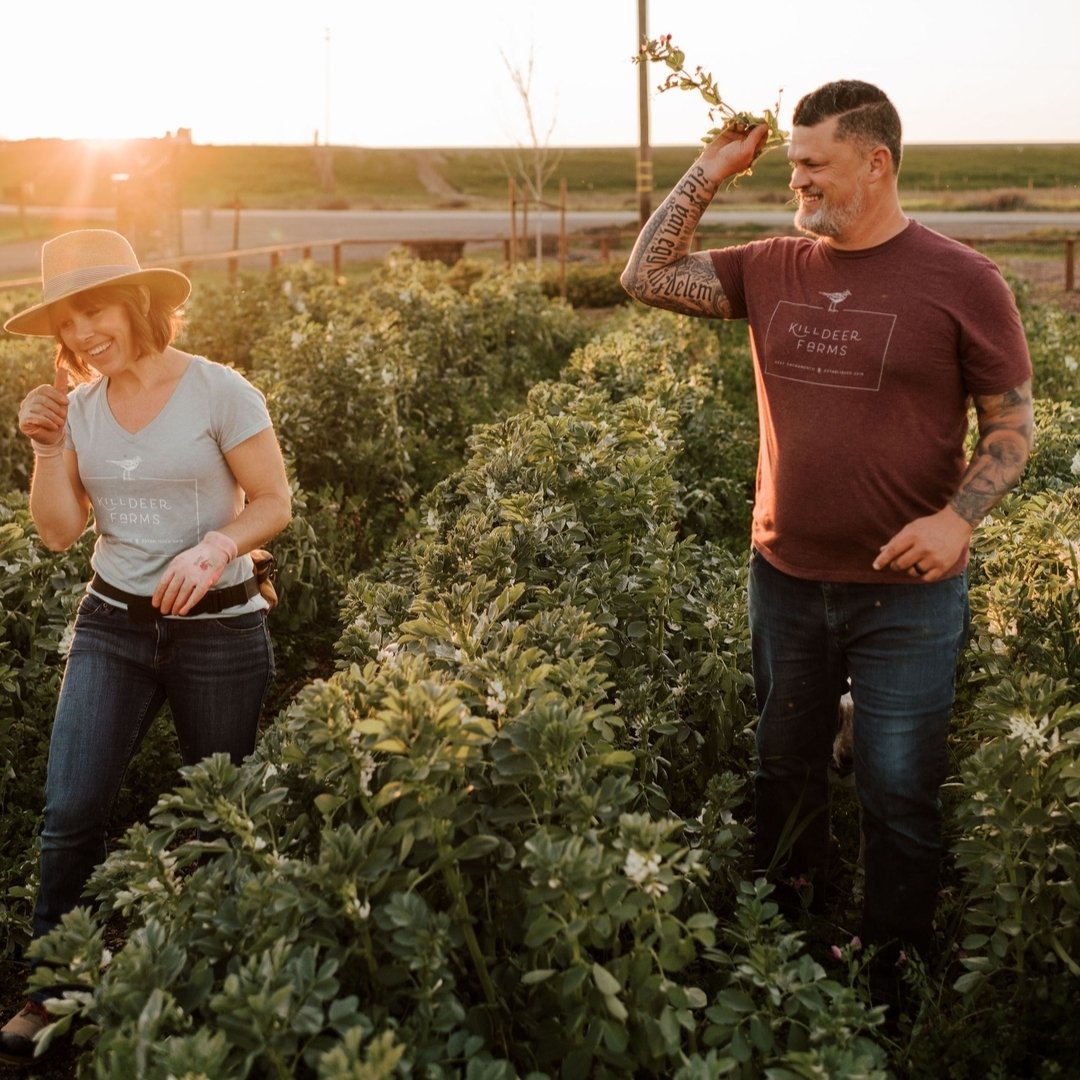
column 56, row 172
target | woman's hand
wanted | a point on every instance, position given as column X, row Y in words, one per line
column 192, row 574
column 43, row 411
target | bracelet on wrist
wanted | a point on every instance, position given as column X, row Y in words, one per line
column 222, row 543
column 42, row 450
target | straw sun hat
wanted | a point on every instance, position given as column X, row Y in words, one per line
column 86, row 259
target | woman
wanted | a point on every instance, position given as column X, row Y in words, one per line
column 176, row 459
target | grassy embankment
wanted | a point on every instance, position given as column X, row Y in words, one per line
column 65, row 173
column 52, row 172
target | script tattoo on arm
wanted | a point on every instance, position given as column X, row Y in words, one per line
column 1006, row 433
column 662, row 270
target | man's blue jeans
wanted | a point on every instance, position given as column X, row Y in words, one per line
column 899, row 644
column 213, row 672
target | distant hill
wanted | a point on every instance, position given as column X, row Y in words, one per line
column 173, row 171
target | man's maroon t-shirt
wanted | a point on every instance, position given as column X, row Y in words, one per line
column 865, row 362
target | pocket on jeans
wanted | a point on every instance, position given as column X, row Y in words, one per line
column 92, row 606
column 239, row 624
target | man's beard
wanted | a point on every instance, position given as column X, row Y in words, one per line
column 830, row 220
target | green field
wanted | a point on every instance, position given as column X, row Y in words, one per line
column 52, row 172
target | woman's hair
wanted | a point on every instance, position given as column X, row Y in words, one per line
column 866, row 114
column 153, row 327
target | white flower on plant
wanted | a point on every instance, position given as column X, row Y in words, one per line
column 496, row 699
column 367, row 771
column 66, row 639
column 642, row 870
column 1071, row 363
column 1075, row 466
column 997, row 624
column 297, row 339
column 1070, row 555
column 1030, row 731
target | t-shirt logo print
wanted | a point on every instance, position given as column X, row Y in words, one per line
column 841, row 347
column 835, row 298
column 128, row 465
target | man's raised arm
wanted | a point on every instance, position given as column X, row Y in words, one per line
column 662, row 270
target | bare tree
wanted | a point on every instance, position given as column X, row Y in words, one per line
column 533, row 164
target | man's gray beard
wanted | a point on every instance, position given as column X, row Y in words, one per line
column 831, row 221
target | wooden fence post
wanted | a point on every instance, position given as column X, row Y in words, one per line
column 511, row 256
column 1070, row 265
column 562, row 238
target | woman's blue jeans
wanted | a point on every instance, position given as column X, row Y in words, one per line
column 214, row 673
column 899, row 644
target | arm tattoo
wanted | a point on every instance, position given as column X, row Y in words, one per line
column 1006, row 427
column 662, row 271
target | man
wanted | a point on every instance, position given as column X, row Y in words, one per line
column 870, row 337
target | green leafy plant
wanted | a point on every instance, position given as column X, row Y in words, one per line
column 497, row 824
column 661, row 50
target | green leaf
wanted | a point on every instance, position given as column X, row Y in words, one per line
column 736, row 1001
column 542, row 929
column 615, row 1007
column 537, row 975
column 326, row 804
column 968, row 982
column 606, row 983
column 476, row 846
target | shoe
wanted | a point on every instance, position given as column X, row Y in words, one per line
column 17, row 1036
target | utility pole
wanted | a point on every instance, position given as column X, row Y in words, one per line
column 644, row 161
column 326, row 89
column 325, row 155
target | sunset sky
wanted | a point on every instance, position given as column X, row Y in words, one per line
column 432, row 73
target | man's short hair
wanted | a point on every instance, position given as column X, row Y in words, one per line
column 866, row 114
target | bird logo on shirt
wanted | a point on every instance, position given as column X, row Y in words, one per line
column 128, row 465
column 835, row 298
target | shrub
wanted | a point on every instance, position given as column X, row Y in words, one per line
column 587, row 285
column 506, row 836
column 25, row 363
column 375, row 393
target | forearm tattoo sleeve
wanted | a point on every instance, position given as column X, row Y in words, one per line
column 662, row 271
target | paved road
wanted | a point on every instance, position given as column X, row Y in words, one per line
column 373, row 232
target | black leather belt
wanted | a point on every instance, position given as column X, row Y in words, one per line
column 140, row 609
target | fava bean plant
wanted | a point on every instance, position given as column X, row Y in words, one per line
column 661, row 50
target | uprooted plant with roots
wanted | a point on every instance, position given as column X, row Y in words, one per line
column 661, row 50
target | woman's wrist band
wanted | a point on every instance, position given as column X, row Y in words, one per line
column 222, row 542
column 47, row 449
